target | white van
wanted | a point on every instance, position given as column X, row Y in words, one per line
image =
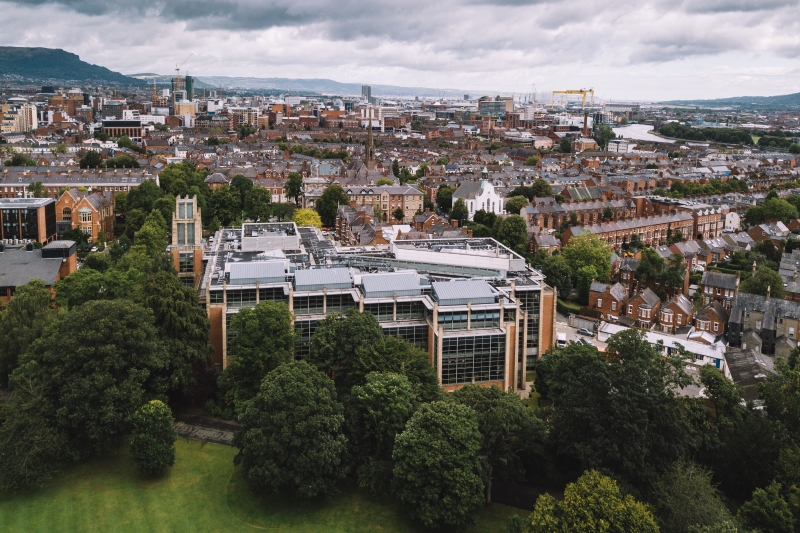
column 561, row 339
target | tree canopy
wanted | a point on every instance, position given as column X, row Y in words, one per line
column 307, row 217
column 764, row 279
column 328, row 204
column 589, row 250
column 515, row 204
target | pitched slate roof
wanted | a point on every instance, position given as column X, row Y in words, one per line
column 718, row 279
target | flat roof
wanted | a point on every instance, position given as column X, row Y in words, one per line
column 24, row 203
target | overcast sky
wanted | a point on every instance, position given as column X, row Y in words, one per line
column 662, row 49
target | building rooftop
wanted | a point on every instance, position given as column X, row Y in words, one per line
column 24, row 203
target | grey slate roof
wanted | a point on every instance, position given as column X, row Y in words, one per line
column 718, row 279
column 18, row 267
column 650, row 298
column 468, row 190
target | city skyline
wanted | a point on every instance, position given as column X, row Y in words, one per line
column 652, row 51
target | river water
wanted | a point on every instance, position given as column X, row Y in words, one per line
column 639, row 132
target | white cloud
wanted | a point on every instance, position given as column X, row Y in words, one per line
column 653, row 50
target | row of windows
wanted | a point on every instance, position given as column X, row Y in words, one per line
column 416, row 335
column 247, row 297
column 473, row 359
column 478, row 320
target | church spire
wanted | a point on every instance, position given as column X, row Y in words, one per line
column 369, row 151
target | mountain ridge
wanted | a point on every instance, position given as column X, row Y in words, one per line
column 47, row 64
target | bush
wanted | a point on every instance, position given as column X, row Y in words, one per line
column 566, row 308
column 152, row 443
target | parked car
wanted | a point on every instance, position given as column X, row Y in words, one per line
column 586, row 342
column 585, row 332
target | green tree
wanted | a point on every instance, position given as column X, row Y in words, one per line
column 507, row 425
column 20, row 160
column 437, row 472
column 442, row 161
column 444, row 197
column 291, row 438
column 794, row 148
column 675, row 272
column 773, row 209
column 593, row 504
column 225, row 204
column 126, row 142
column 589, row 250
column 336, row 342
column 143, row 197
column 565, row 146
column 584, row 278
column 257, row 204
column 603, row 135
column 557, row 273
column 263, row 339
column 328, row 204
column 153, row 438
column 134, row 220
column 398, row 214
column 459, row 212
column 32, row 448
column 764, row 279
column 153, row 234
column 94, row 378
column 512, row 231
column 686, row 496
column 182, row 324
column 619, row 411
column 243, row 185
column 608, row 214
column 781, row 396
column 380, row 409
column 37, row 190
column 98, row 261
column 92, row 159
column 651, row 264
column 767, row 511
column 86, row 285
column 396, row 168
column 383, row 182
column 515, row 204
column 21, row 323
column 540, row 189
column 532, row 161
column 121, row 161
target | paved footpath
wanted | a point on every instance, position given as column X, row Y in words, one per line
column 206, row 429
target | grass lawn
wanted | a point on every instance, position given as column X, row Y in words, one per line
column 202, row 492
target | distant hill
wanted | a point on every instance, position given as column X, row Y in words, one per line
column 308, row 86
column 780, row 102
column 52, row 64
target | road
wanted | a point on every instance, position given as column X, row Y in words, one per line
column 562, row 326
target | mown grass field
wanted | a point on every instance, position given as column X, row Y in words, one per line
column 203, row 492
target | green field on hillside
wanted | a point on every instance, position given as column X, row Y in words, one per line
column 203, row 492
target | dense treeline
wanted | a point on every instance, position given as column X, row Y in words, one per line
column 720, row 135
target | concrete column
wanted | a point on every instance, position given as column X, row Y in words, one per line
column 224, row 338
column 439, row 357
column 324, row 300
column 507, row 374
column 502, row 310
column 360, row 303
column 225, row 294
column 469, row 316
column 258, row 293
column 291, row 298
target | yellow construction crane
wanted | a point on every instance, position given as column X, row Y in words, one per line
column 583, row 92
column 178, row 71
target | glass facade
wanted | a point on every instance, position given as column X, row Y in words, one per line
column 24, row 223
column 186, row 262
column 473, row 359
column 305, row 330
column 416, row 335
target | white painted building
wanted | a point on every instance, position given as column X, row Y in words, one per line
column 480, row 195
column 733, row 222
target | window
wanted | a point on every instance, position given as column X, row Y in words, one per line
column 186, row 263
column 181, row 233
column 86, row 216
column 758, row 325
column 66, row 213
column 613, row 306
column 630, row 309
column 791, row 333
column 680, row 319
column 716, row 326
column 599, row 302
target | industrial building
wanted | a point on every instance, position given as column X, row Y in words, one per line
column 482, row 315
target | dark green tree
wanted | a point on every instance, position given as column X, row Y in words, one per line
column 540, row 189
column 767, row 511
column 557, row 273
column 619, row 411
column 153, row 438
column 515, row 204
column 651, row 264
column 336, row 342
column 134, row 220
column 444, row 197
column 243, row 185
column 92, row 159
column 380, row 409
column 686, row 496
column 95, row 377
column 513, row 232
column 291, row 438
column 398, row 214
column 507, row 425
column 328, row 204
column 21, row 323
column 565, row 146
column 86, row 284
column 22, row 160
column 257, row 204
column 764, row 279
column 144, row 196
column 459, row 212
column 263, row 339
column 586, row 275
column 438, row 471
column 182, row 324
column 226, row 205
column 396, row 168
